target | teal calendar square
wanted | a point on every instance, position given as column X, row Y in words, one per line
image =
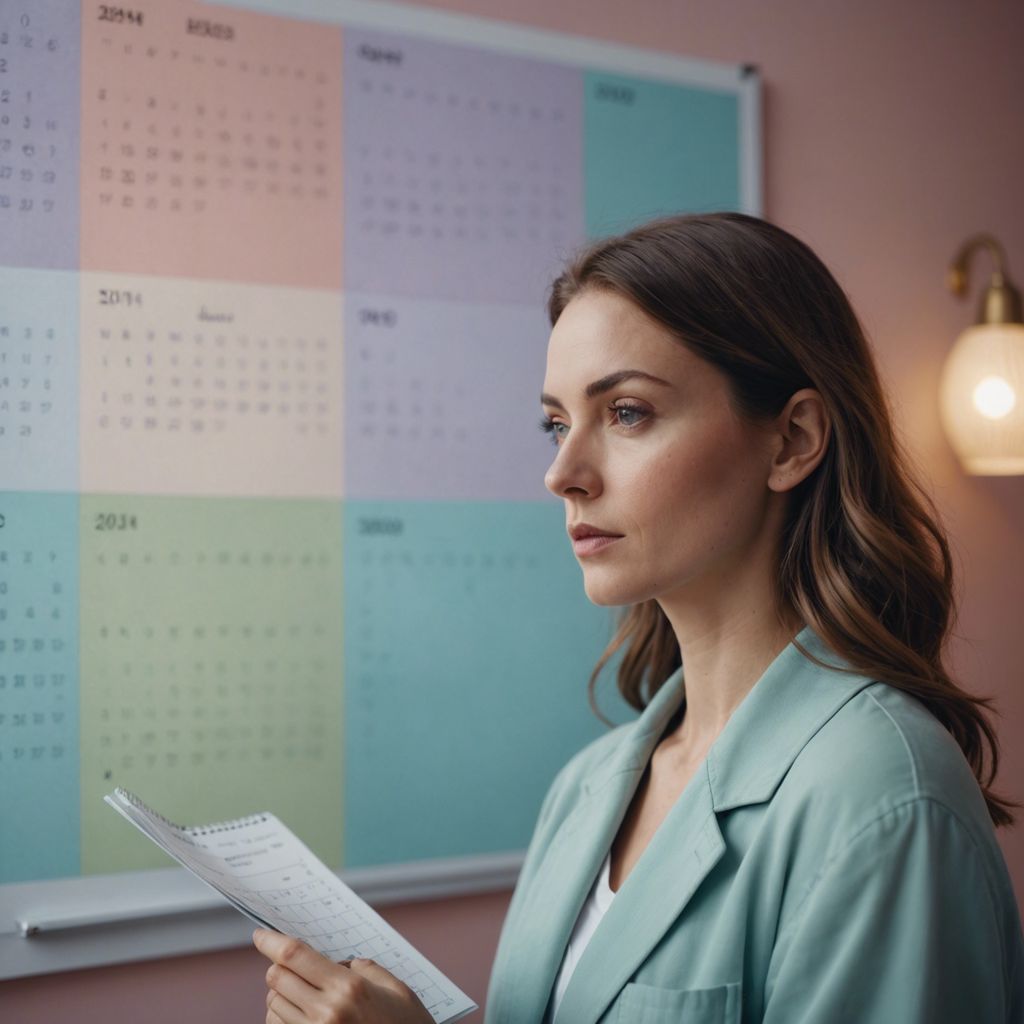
column 39, row 795
column 653, row 148
column 468, row 642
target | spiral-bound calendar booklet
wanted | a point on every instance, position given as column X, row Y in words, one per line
column 261, row 867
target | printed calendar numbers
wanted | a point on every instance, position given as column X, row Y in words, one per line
column 119, row 15
column 379, row 54
column 211, row 146
column 390, row 526
column 193, row 387
column 614, row 92
column 222, row 688
column 471, row 613
column 38, row 686
column 376, row 317
column 116, row 521
column 38, row 380
column 463, row 170
column 122, row 297
column 39, row 121
column 441, row 400
column 211, row 29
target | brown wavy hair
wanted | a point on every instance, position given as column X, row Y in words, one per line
column 863, row 557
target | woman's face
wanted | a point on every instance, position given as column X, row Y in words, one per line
column 651, row 454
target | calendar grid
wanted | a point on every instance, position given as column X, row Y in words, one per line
column 272, row 338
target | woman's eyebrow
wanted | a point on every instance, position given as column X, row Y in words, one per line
column 599, row 387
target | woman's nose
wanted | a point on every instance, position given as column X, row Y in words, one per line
column 573, row 472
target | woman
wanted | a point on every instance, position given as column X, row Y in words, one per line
column 802, row 829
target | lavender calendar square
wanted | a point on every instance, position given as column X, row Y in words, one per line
column 442, row 401
column 39, row 130
column 463, row 170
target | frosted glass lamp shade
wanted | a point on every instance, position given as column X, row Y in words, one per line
column 982, row 399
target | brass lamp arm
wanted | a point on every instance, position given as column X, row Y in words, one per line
column 1001, row 301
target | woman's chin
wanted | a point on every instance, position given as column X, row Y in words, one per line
column 606, row 594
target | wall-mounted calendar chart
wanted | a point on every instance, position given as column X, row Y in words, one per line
column 273, row 531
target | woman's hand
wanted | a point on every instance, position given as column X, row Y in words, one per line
column 307, row 988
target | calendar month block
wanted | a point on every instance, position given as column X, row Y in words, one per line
column 463, row 170
column 39, row 380
column 38, row 686
column 39, row 129
column 443, row 400
column 468, row 641
column 211, row 144
column 210, row 388
column 211, row 666
column 654, row 148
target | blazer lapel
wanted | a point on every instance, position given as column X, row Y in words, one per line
column 685, row 848
column 575, row 855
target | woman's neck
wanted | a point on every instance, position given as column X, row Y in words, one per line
column 720, row 667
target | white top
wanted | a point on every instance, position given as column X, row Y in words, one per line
column 598, row 902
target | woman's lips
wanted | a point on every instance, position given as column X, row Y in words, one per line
column 589, row 540
column 592, row 544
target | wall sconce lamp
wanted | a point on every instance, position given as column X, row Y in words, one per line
column 982, row 388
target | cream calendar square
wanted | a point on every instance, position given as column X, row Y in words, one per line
column 209, row 388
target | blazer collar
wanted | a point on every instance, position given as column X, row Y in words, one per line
column 793, row 698
column 791, row 701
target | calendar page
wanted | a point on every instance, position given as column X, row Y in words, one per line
column 441, row 400
column 205, row 387
column 39, row 380
column 479, row 604
column 273, row 527
column 463, row 178
column 39, row 693
column 260, row 866
column 226, row 678
column 210, row 144
column 40, row 89
column 637, row 168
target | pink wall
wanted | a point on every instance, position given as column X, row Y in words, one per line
column 893, row 131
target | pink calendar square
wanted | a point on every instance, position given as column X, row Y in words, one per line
column 211, row 144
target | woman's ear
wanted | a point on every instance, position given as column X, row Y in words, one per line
column 801, row 435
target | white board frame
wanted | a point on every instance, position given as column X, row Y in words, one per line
column 70, row 923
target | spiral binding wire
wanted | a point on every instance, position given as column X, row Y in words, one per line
column 192, row 830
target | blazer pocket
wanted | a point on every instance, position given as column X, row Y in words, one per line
column 649, row 1004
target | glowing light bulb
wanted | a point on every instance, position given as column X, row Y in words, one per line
column 994, row 398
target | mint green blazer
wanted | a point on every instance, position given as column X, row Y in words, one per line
column 832, row 861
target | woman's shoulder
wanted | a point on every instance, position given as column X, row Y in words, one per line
column 882, row 789
column 884, row 755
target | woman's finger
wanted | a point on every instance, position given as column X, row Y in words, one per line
column 296, row 990
column 295, row 955
column 283, row 1010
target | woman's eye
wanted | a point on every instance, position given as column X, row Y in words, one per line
column 629, row 415
column 555, row 429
